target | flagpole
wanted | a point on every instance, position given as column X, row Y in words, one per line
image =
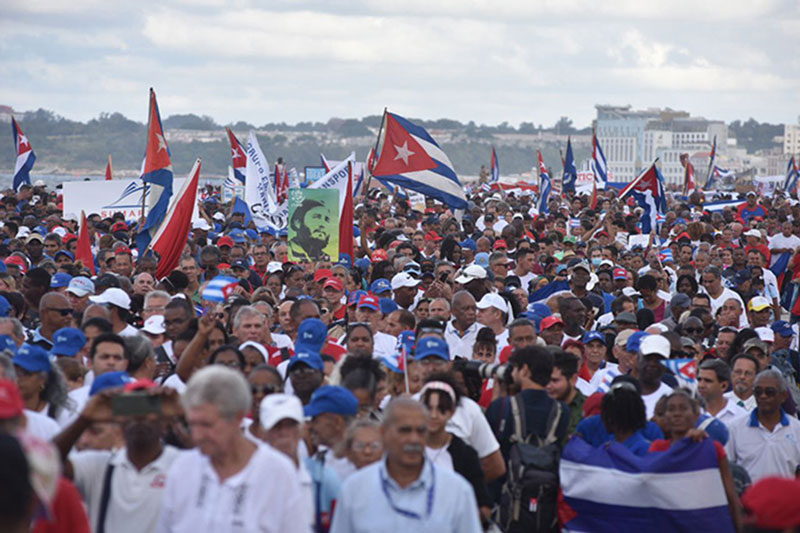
column 377, row 142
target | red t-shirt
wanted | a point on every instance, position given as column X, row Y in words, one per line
column 68, row 513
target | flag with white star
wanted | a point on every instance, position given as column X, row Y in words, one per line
column 25, row 156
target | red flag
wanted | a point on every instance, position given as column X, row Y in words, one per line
column 108, row 169
column 83, row 252
column 281, row 183
column 689, row 183
column 346, row 217
column 173, row 233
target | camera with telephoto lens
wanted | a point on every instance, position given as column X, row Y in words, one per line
column 486, row 370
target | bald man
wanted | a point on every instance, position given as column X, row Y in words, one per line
column 55, row 312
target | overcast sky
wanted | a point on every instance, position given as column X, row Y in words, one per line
column 488, row 61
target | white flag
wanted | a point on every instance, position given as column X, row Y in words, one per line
column 259, row 192
column 336, row 179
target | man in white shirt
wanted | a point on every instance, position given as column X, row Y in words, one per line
column 460, row 332
column 119, row 304
column 767, row 441
column 228, row 483
column 712, row 285
column 713, row 379
column 123, row 488
column 652, row 351
column 493, row 313
column 786, row 241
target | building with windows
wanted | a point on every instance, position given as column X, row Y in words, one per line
column 791, row 138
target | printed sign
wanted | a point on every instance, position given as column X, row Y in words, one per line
column 108, row 197
column 313, row 224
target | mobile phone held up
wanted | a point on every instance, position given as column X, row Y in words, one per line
column 135, row 404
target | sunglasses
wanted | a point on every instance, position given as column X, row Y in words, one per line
column 265, row 389
column 62, row 312
column 694, row 330
column 769, row 392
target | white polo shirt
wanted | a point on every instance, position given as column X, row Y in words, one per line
column 748, row 404
column 135, row 499
column 730, row 412
column 761, row 452
column 265, row 496
column 459, row 345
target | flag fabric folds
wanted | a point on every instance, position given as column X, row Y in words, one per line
column 599, row 163
column 346, row 218
column 689, row 183
column 281, row 184
column 259, row 190
column 240, row 206
column 25, row 156
column 685, row 370
column 157, row 172
column 409, row 157
column 175, row 228
column 83, row 252
column 570, row 170
column 676, row 490
column 716, row 174
column 545, row 187
column 495, row 177
column 238, row 158
column 790, row 183
column 648, row 191
column 665, row 255
column 709, row 177
column 109, row 170
column 219, row 288
column 541, row 295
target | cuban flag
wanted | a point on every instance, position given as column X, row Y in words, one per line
column 709, row 178
column 409, row 157
column 495, row 167
column 685, row 370
column 718, row 173
column 599, row 164
column 219, row 288
column 157, row 171
column 177, row 225
column 790, row 183
column 541, row 295
column 665, row 256
column 25, row 156
column 239, row 159
column 545, row 187
column 689, row 183
column 570, row 170
column 324, row 161
column 676, row 490
column 648, row 192
column 281, row 183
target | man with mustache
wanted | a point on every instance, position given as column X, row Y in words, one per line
column 405, row 492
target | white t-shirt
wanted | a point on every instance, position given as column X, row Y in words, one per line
column 650, row 400
column 718, row 302
column 176, row 383
column 136, row 495
column 440, row 457
column 458, row 345
column 129, row 331
column 41, row 425
column 781, row 241
column 196, row 501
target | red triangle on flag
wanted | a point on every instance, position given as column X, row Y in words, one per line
column 401, row 153
column 83, row 252
column 157, row 153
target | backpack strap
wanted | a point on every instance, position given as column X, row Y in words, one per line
column 705, row 423
column 552, row 423
column 105, row 496
column 518, row 412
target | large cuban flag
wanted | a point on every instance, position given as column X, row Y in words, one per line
column 570, row 170
column 157, row 171
column 599, row 163
column 238, row 158
column 409, row 157
column 545, row 187
column 25, row 156
column 611, row 490
column 648, row 191
column 789, row 183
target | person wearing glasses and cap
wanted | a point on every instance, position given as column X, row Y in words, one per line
column 55, row 311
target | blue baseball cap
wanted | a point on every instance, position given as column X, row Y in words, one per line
column 482, row 260
column 65, row 253
column 307, row 357
column 379, row 286
column 783, row 328
column 363, row 264
column 432, row 347
column 238, row 236
column 251, row 234
column 60, row 280
column 635, row 341
column 109, row 380
column 332, row 399
column 469, row 244
column 68, row 342
column 311, row 335
column 5, row 307
column 7, row 343
column 590, row 336
column 387, row 305
column 32, row 358
column 355, row 297
column 345, row 260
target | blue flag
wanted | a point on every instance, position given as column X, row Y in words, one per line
column 240, row 206
column 570, row 170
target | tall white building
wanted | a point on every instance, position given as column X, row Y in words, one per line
column 632, row 139
column 791, row 138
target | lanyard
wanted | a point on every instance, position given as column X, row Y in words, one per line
column 406, row 512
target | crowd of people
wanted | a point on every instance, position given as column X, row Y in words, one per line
column 430, row 383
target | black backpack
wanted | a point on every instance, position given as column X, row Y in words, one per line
column 529, row 498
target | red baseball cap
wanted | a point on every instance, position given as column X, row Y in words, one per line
column 380, row 255
column 772, row 503
column 119, row 226
column 140, row 384
column 322, row 274
column 11, row 404
column 17, row 261
column 68, row 237
column 500, row 243
column 550, row 321
column 620, row 273
column 122, row 250
column 225, row 240
column 334, row 283
column 432, row 236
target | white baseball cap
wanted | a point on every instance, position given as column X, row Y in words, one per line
column 114, row 296
column 470, row 273
column 201, row 224
column 219, row 216
column 753, row 233
column 274, row 266
column 80, row 286
column 655, row 344
column 279, row 406
column 766, row 334
column 154, row 325
column 404, row 279
column 492, row 299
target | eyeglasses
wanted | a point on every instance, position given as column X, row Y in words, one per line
column 62, row 312
column 373, row 446
column 301, row 370
column 694, row 330
column 265, row 389
column 769, row 392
